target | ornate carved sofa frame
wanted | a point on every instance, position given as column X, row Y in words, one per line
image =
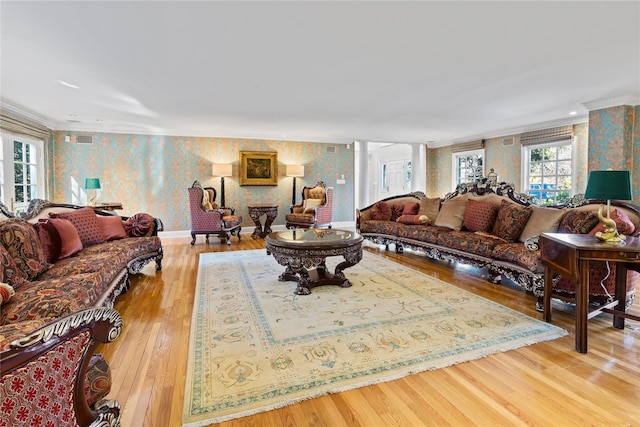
column 522, row 263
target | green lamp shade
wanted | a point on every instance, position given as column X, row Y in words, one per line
column 92, row 184
column 609, row 185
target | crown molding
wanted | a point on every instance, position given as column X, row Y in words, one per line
column 599, row 104
column 26, row 113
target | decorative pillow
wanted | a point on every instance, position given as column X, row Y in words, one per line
column 70, row 243
column 623, row 223
column 381, row 211
column 9, row 271
column 23, row 244
column 50, row 239
column 411, row 209
column 451, row 214
column 6, row 292
column 206, row 201
column 429, row 207
column 511, row 220
column 86, row 222
column 532, row 244
column 414, row 219
column 309, row 205
column 396, row 210
column 112, row 227
column 139, row 225
column 479, row 216
column 578, row 222
column 542, row 220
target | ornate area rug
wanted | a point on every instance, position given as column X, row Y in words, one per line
column 255, row 345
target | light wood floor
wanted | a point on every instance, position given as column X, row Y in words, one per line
column 546, row 384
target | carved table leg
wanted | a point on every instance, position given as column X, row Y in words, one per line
column 267, row 223
column 257, row 232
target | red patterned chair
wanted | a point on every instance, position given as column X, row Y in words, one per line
column 315, row 210
column 207, row 218
column 49, row 377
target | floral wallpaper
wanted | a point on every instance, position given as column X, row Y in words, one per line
column 151, row 174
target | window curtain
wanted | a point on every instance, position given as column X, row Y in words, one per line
column 468, row 146
column 18, row 124
column 543, row 136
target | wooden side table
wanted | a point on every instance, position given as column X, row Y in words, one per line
column 110, row 206
column 569, row 255
column 255, row 212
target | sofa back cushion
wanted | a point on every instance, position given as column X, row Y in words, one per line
column 542, row 220
column 479, row 216
column 9, row 271
column 511, row 220
column 430, row 207
column 23, row 244
column 451, row 214
column 86, row 222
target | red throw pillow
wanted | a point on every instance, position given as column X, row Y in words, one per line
column 70, row 240
column 622, row 220
column 50, row 239
column 396, row 210
column 479, row 216
column 86, row 222
column 414, row 219
column 381, row 211
column 139, row 225
column 411, row 209
column 511, row 220
column 112, row 227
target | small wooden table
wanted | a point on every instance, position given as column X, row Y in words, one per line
column 304, row 252
column 569, row 255
column 255, row 212
column 107, row 206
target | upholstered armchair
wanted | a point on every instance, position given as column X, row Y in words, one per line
column 207, row 218
column 315, row 210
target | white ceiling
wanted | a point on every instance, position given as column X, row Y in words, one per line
column 436, row 72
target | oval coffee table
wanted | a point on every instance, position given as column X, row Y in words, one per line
column 304, row 251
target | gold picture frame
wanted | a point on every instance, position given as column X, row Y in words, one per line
column 258, row 168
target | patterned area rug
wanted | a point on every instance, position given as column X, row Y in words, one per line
column 255, row 345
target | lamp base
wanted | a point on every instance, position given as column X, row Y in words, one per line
column 610, row 233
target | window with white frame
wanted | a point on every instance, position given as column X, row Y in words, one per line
column 468, row 167
column 549, row 172
column 22, row 171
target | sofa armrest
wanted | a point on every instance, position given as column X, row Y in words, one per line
column 54, row 358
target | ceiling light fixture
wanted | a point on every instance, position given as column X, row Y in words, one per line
column 573, row 113
column 62, row 82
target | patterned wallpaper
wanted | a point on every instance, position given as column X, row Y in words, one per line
column 505, row 160
column 151, row 173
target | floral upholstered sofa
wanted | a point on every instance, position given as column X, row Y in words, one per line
column 497, row 229
column 62, row 267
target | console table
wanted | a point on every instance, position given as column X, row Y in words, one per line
column 255, row 212
column 569, row 255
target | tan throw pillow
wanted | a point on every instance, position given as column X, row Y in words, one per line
column 542, row 220
column 429, row 207
column 451, row 214
column 309, row 205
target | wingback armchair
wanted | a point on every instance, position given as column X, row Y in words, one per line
column 207, row 218
column 315, row 210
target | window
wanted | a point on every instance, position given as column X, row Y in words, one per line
column 468, row 167
column 21, row 177
column 548, row 172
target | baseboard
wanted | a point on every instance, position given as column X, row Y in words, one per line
column 181, row 234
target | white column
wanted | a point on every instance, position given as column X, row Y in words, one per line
column 418, row 167
column 363, row 174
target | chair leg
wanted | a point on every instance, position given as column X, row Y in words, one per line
column 193, row 240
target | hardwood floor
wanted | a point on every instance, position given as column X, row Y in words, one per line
column 540, row 385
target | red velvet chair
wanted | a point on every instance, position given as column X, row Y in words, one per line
column 221, row 222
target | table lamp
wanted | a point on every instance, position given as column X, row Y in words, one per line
column 294, row 171
column 92, row 184
column 608, row 185
column 221, row 170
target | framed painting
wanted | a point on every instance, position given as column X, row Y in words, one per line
column 258, row 168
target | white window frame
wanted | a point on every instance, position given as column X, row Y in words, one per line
column 526, row 159
column 7, row 180
column 454, row 164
